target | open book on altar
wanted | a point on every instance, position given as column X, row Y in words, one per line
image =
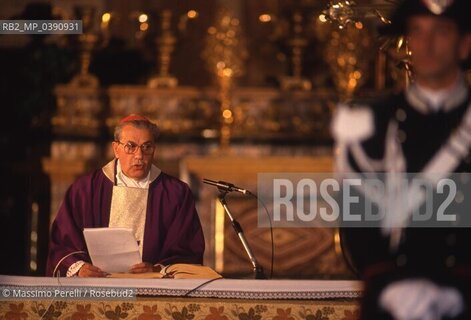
column 173, row 271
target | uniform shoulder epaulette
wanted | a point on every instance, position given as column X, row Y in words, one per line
column 353, row 123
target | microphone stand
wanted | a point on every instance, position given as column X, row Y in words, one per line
column 257, row 268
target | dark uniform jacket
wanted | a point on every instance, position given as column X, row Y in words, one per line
column 442, row 255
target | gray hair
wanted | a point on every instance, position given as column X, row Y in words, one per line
column 140, row 124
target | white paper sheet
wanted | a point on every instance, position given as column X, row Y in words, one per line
column 112, row 249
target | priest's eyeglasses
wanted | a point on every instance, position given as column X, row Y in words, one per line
column 131, row 147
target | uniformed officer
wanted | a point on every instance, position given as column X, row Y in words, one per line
column 415, row 273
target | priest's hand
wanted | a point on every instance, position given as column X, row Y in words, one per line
column 144, row 267
column 88, row 270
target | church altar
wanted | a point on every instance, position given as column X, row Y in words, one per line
column 184, row 299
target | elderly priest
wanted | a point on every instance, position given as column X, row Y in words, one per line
column 128, row 192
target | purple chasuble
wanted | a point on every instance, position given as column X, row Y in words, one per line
column 172, row 231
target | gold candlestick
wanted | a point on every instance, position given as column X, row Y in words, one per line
column 297, row 44
column 348, row 53
column 225, row 53
column 166, row 44
column 87, row 42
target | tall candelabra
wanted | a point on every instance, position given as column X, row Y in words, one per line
column 87, row 42
column 348, row 53
column 291, row 33
column 166, row 45
column 225, row 53
column 297, row 43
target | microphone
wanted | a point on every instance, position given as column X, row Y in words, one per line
column 226, row 186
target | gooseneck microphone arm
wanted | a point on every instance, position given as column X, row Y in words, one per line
column 226, row 186
column 257, row 268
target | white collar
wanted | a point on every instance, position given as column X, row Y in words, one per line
column 124, row 181
column 435, row 98
column 426, row 100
